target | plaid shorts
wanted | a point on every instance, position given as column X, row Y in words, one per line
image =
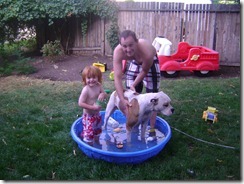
column 151, row 80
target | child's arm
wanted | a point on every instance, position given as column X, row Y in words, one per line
column 103, row 95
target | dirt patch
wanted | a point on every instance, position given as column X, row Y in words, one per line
column 68, row 68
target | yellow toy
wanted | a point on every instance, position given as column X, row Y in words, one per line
column 124, row 63
column 210, row 114
column 101, row 66
column 111, row 75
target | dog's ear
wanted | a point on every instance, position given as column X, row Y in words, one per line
column 154, row 101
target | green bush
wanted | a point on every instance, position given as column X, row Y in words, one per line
column 28, row 45
column 19, row 66
column 12, row 60
column 113, row 35
column 52, row 48
column 22, row 66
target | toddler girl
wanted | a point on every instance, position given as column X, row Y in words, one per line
column 90, row 94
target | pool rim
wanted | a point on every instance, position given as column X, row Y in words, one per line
column 122, row 154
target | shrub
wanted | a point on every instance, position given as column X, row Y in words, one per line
column 52, row 48
column 12, row 60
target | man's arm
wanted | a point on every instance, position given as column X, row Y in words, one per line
column 118, row 74
column 141, row 75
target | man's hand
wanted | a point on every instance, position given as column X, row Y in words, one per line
column 124, row 106
column 132, row 88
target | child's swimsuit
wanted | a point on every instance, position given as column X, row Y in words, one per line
column 91, row 126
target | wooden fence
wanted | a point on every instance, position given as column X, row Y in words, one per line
column 213, row 26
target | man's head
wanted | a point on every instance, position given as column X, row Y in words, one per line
column 125, row 34
column 128, row 41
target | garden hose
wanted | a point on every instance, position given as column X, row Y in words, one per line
column 215, row 144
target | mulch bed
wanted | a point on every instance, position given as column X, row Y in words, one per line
column 68, row 68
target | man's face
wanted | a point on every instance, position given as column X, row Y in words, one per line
column 129, row 46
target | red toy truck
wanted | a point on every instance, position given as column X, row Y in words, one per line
column 198, row 59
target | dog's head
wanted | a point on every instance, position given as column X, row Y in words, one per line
column 162, row 103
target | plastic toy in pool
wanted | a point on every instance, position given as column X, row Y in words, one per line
column 121, row 155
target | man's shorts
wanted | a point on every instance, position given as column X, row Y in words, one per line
column 151, row 81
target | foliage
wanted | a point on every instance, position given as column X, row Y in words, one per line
column 28, row 45
column 16, row 14
column 226, row 1
column 52, row 48
column 113, row 34
column 36, row 117
column 18, row 66
column 84, row 27
column 12, row 59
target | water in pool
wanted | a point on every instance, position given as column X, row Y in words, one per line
column 114, row 139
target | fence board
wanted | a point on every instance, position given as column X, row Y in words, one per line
column 228, row 38
column 213, row 26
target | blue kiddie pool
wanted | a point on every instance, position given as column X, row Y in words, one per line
column 132, row 153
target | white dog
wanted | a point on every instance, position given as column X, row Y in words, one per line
column 141, row 110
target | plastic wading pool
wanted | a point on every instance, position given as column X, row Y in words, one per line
column 122, row 157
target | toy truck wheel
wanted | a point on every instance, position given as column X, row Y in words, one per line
column 170, row 74
column 202, row 73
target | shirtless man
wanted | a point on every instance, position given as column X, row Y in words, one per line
column 143, row 69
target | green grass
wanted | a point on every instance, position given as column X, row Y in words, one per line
column 36, row 117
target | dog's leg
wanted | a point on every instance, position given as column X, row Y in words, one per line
column 109, row 109
column 143, row 130
column 128, row 134
column 132, row 118
column 108, row 113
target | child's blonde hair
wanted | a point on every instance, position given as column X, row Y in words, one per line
column 91, row 71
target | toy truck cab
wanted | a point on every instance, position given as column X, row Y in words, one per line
column 198, row 59
column 210, row 114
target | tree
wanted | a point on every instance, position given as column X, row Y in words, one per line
column 48, row 16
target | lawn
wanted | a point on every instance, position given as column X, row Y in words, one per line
column 36, row 117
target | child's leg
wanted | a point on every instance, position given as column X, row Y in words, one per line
column 87, row 128
column 97, row 127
